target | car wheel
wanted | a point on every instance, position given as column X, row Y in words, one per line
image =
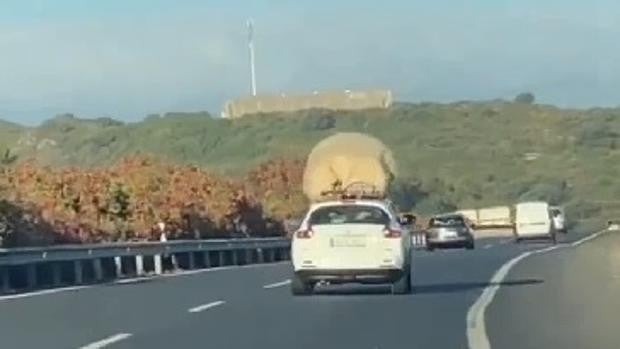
column 518, row 240
column 470, row 245
column 403, row 285
column 299, row 287
column 430, row 247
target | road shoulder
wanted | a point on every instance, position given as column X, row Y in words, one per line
column 575, row 306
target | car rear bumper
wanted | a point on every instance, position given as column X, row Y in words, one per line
column 461, row 240
column 351, row 275
column 534, row 236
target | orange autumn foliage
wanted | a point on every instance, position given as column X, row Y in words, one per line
column 125, row 201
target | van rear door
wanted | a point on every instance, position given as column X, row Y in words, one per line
column 532, row 219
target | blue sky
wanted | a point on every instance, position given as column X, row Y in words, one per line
column 129, row 58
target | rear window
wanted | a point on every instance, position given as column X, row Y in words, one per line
column 438, row 222
column 349, row 214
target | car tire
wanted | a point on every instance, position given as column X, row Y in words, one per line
column 518, row 240
column 299, row 287
column 470, row 245
column 430, row 247
column 403, row 285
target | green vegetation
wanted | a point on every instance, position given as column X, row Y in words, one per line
column 466, row 154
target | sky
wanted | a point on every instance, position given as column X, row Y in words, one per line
column 130, row 58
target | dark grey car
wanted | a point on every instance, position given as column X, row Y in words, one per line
column 449, row 231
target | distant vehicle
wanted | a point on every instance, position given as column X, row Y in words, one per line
column 558, row 218
column 352, row 241
column 533, row 221
column 449, row 230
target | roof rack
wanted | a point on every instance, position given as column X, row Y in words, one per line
column 353, row 191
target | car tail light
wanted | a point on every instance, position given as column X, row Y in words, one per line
column 304, row 234
column 392, row 233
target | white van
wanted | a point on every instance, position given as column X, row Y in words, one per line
column 533, row 221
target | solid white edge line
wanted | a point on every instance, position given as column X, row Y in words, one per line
column 41, row 292
column 204, row 307
column 278, row 284
column 475, row 324
column 107, row 341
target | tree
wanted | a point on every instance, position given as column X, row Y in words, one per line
column 325, row 122
column 525, row 98
column 8, row 158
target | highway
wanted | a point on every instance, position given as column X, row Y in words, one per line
column 564, row 298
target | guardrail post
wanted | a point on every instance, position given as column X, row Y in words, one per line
column 235, row 258
column 98, row 268
column 157, row 264
column 191, row 261
column 222, row 258
column 31, row 275
column 285, row 254
column 260, row 255
column 5, row 279
column 206, row 259
column 56, row 274
column 77, row 271
column 139, row 265
column 118, row 263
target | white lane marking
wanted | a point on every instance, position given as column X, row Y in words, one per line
column 42, row 292
column 487, row 246
column 588, row 238
column 204, row 307
column 107, row 341
column 278, row 284
column 476, row 328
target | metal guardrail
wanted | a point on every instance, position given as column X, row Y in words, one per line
column 31, row 267
column 418, row 240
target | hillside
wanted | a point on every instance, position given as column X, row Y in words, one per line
column 462, row 154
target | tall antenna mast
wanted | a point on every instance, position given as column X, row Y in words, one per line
column 250, row 26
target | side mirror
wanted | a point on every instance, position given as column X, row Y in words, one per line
column 407, row 219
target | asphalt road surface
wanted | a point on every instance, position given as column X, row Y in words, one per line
column 565, row 298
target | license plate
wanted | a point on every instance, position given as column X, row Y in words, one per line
column 348, row 242
column 448, row 235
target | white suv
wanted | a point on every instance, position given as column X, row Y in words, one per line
column 344, row 241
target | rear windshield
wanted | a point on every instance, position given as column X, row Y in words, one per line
column 437, row 222
column 349, row 214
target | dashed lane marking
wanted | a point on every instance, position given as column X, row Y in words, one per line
column 278, row 284
column 107, row 341
column 204, row 307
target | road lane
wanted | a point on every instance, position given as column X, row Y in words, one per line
column 446, row 283
column 74, row 318
column 155, row 311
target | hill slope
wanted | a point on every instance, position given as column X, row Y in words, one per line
column 462, row 154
